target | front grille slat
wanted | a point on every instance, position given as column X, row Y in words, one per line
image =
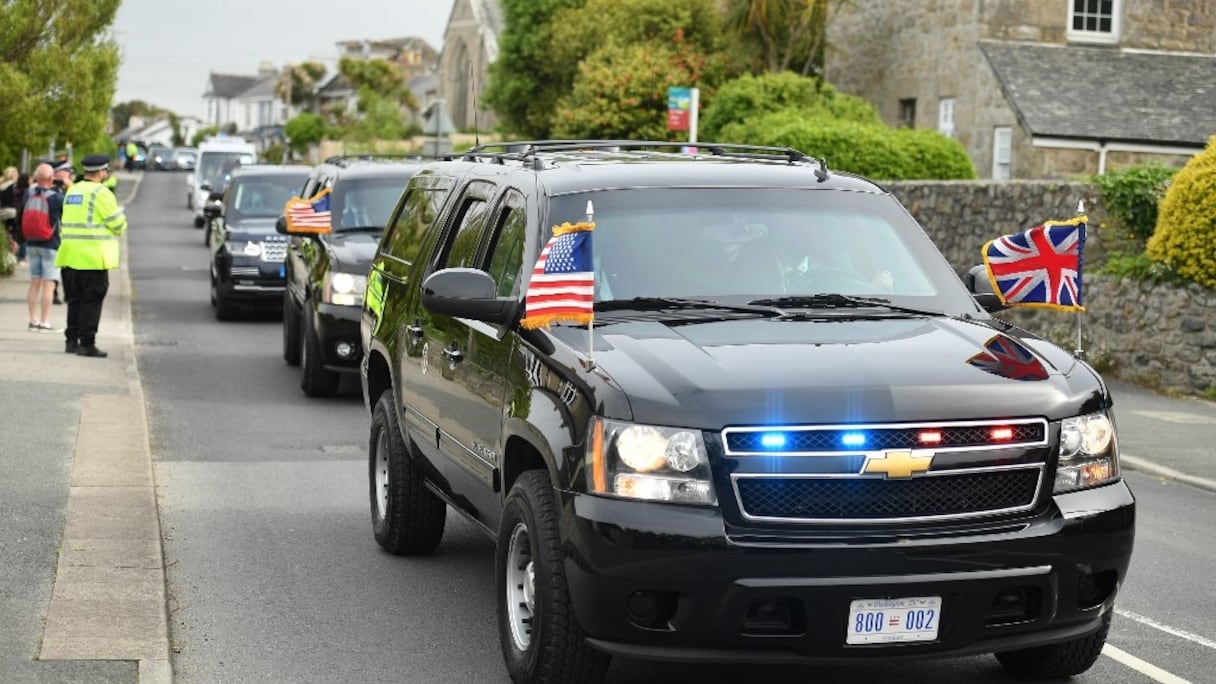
column 274, row 252
column 819, row 439
column 979, row 492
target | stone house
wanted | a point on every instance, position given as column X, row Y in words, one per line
column 1037, row 88
column 470, row 46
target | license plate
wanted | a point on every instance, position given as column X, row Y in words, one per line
column 895, row 620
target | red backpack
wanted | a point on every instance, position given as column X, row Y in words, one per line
column 36, row 218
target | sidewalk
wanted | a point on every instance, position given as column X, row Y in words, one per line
column 87, row 602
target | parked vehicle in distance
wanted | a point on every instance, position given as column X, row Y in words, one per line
column 217, row 157
column 248, row 256
column 160, row 157
column 327, row 271
column 792, row 434
column 184, row 158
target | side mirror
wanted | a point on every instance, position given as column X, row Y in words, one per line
column 213, row 210
column 280, row 225
column 981, row 290
column 466, row 293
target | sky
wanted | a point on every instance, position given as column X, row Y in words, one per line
column 169, row 47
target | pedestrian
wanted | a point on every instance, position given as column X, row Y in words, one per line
column 132, row 151
column 9, row 202
column 65, row 175
column 92, row 222
column 41, row 212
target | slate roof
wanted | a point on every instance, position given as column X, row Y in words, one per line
column 262, row 88
column 1097, row 93
column 228, row 85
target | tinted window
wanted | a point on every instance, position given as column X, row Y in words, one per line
column 365, row 202
column 759, row 243
column 468, row 232
column 260, row 197
column 405, row 240
column 507, row 254
column 215, row 168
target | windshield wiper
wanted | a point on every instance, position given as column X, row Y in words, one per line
column 360, row 229
column 661, row 303
column 827, row 300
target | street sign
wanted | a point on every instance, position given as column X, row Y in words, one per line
column 679, row 109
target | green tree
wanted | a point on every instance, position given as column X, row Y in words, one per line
column 520, row 88
column 304, row 130
column 378, row 79
column 202, row 134
column 121, row 113
column 58, row 71
column 1186, row 221
column 750, row 96
column 299, row 86
column 783, row 35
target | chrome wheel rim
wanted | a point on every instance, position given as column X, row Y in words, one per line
column 521, row 586
column 381, row 474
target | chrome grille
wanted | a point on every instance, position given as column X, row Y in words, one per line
column 244, row 272
column 866, row 499
column 274, row 252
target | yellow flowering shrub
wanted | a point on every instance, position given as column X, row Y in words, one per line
column 1185, row 237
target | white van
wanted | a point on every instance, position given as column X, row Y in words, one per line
column 217, row 157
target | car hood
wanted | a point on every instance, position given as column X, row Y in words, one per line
column 770, row 371
column 254, row 229
column 352, row 252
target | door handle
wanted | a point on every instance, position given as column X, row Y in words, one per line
column 414, row 330
column 453, row 355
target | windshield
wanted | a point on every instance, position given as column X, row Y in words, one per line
column 215, row 168
column 365, row 202
column 737, row 245
column 261, row 197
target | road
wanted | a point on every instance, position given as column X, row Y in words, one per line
column 273, row 575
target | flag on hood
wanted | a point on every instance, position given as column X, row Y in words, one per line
column 1040, row 267
column 562, row 288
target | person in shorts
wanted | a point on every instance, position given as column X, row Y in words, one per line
column 44, row 274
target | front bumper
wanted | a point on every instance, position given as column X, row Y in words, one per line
column 704, row 594
column 250, row 280
column 335, row 327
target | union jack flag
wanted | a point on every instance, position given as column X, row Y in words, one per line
column 1008, row 359
column 563, row 281
column 309, row 215
column 1040, row 267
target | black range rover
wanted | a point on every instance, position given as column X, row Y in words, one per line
column 326, row 270
column 791, row 433
column 248, row 258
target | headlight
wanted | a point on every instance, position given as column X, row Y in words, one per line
column 647, row 462
column 344, row 289
column 1088, row 453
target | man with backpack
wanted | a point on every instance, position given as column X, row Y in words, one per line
column 40, row 217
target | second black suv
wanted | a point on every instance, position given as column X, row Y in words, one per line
column 247, row 256
column 790, row 433
column 326, row 268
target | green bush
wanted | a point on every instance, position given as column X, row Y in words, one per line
column 870, row 150
column 1131, row 195
column 1137, row 266
column 748, row 97
column 1186, row 221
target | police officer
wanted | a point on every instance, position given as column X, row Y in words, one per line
column 92, row 222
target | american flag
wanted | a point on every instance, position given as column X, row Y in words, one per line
column 1008, row 359
column 1040, row 267
column 562, row 288
column 309, row 215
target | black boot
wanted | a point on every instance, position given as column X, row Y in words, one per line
column 91, row 350
column 71, row 346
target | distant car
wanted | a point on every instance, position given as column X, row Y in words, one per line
column 184, row 158
column 247, row 255
column 327, row 272
column 217, row 157
column 160, row 157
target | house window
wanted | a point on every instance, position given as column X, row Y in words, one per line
column 1002, row 153
column 945, row 116
column 1093, row 21
column 907, row 113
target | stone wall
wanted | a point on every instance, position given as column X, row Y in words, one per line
column 1156, row 335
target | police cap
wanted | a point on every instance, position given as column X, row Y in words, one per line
column 96, row 162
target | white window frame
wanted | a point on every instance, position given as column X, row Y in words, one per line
column 1002, row 153
column 945, row 116
column 1101, row 37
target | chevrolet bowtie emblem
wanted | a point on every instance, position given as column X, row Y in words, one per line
column 898, row 464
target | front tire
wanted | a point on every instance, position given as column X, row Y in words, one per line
column 315, row 380
column 537, row 629
column 1057, row 661
column 291, row 331
column 198, row 221
column 407, row 518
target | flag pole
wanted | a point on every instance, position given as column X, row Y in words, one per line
column 1079, row 352
column 591, row 323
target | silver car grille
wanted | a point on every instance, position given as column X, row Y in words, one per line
column 274, row 251
column 244, row 272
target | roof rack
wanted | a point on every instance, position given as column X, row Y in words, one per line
column 346, row 159
column 528, row 149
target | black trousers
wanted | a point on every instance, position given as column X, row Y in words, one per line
column 83, row 292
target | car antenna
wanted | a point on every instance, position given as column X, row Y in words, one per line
column 473, row 85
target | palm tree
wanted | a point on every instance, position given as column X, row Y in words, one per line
column 786, row 35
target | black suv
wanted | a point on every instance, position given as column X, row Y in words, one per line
column 247, row 255
column 791, row 432
column 327, row 268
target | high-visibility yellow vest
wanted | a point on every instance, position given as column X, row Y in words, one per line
column 89, row 230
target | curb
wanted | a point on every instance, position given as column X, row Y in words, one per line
column 1163, row 472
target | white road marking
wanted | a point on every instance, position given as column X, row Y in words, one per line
column 1179, row 417
column 1143, row 667
column 1181, row 633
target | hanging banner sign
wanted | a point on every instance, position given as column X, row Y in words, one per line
column 679, row 109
